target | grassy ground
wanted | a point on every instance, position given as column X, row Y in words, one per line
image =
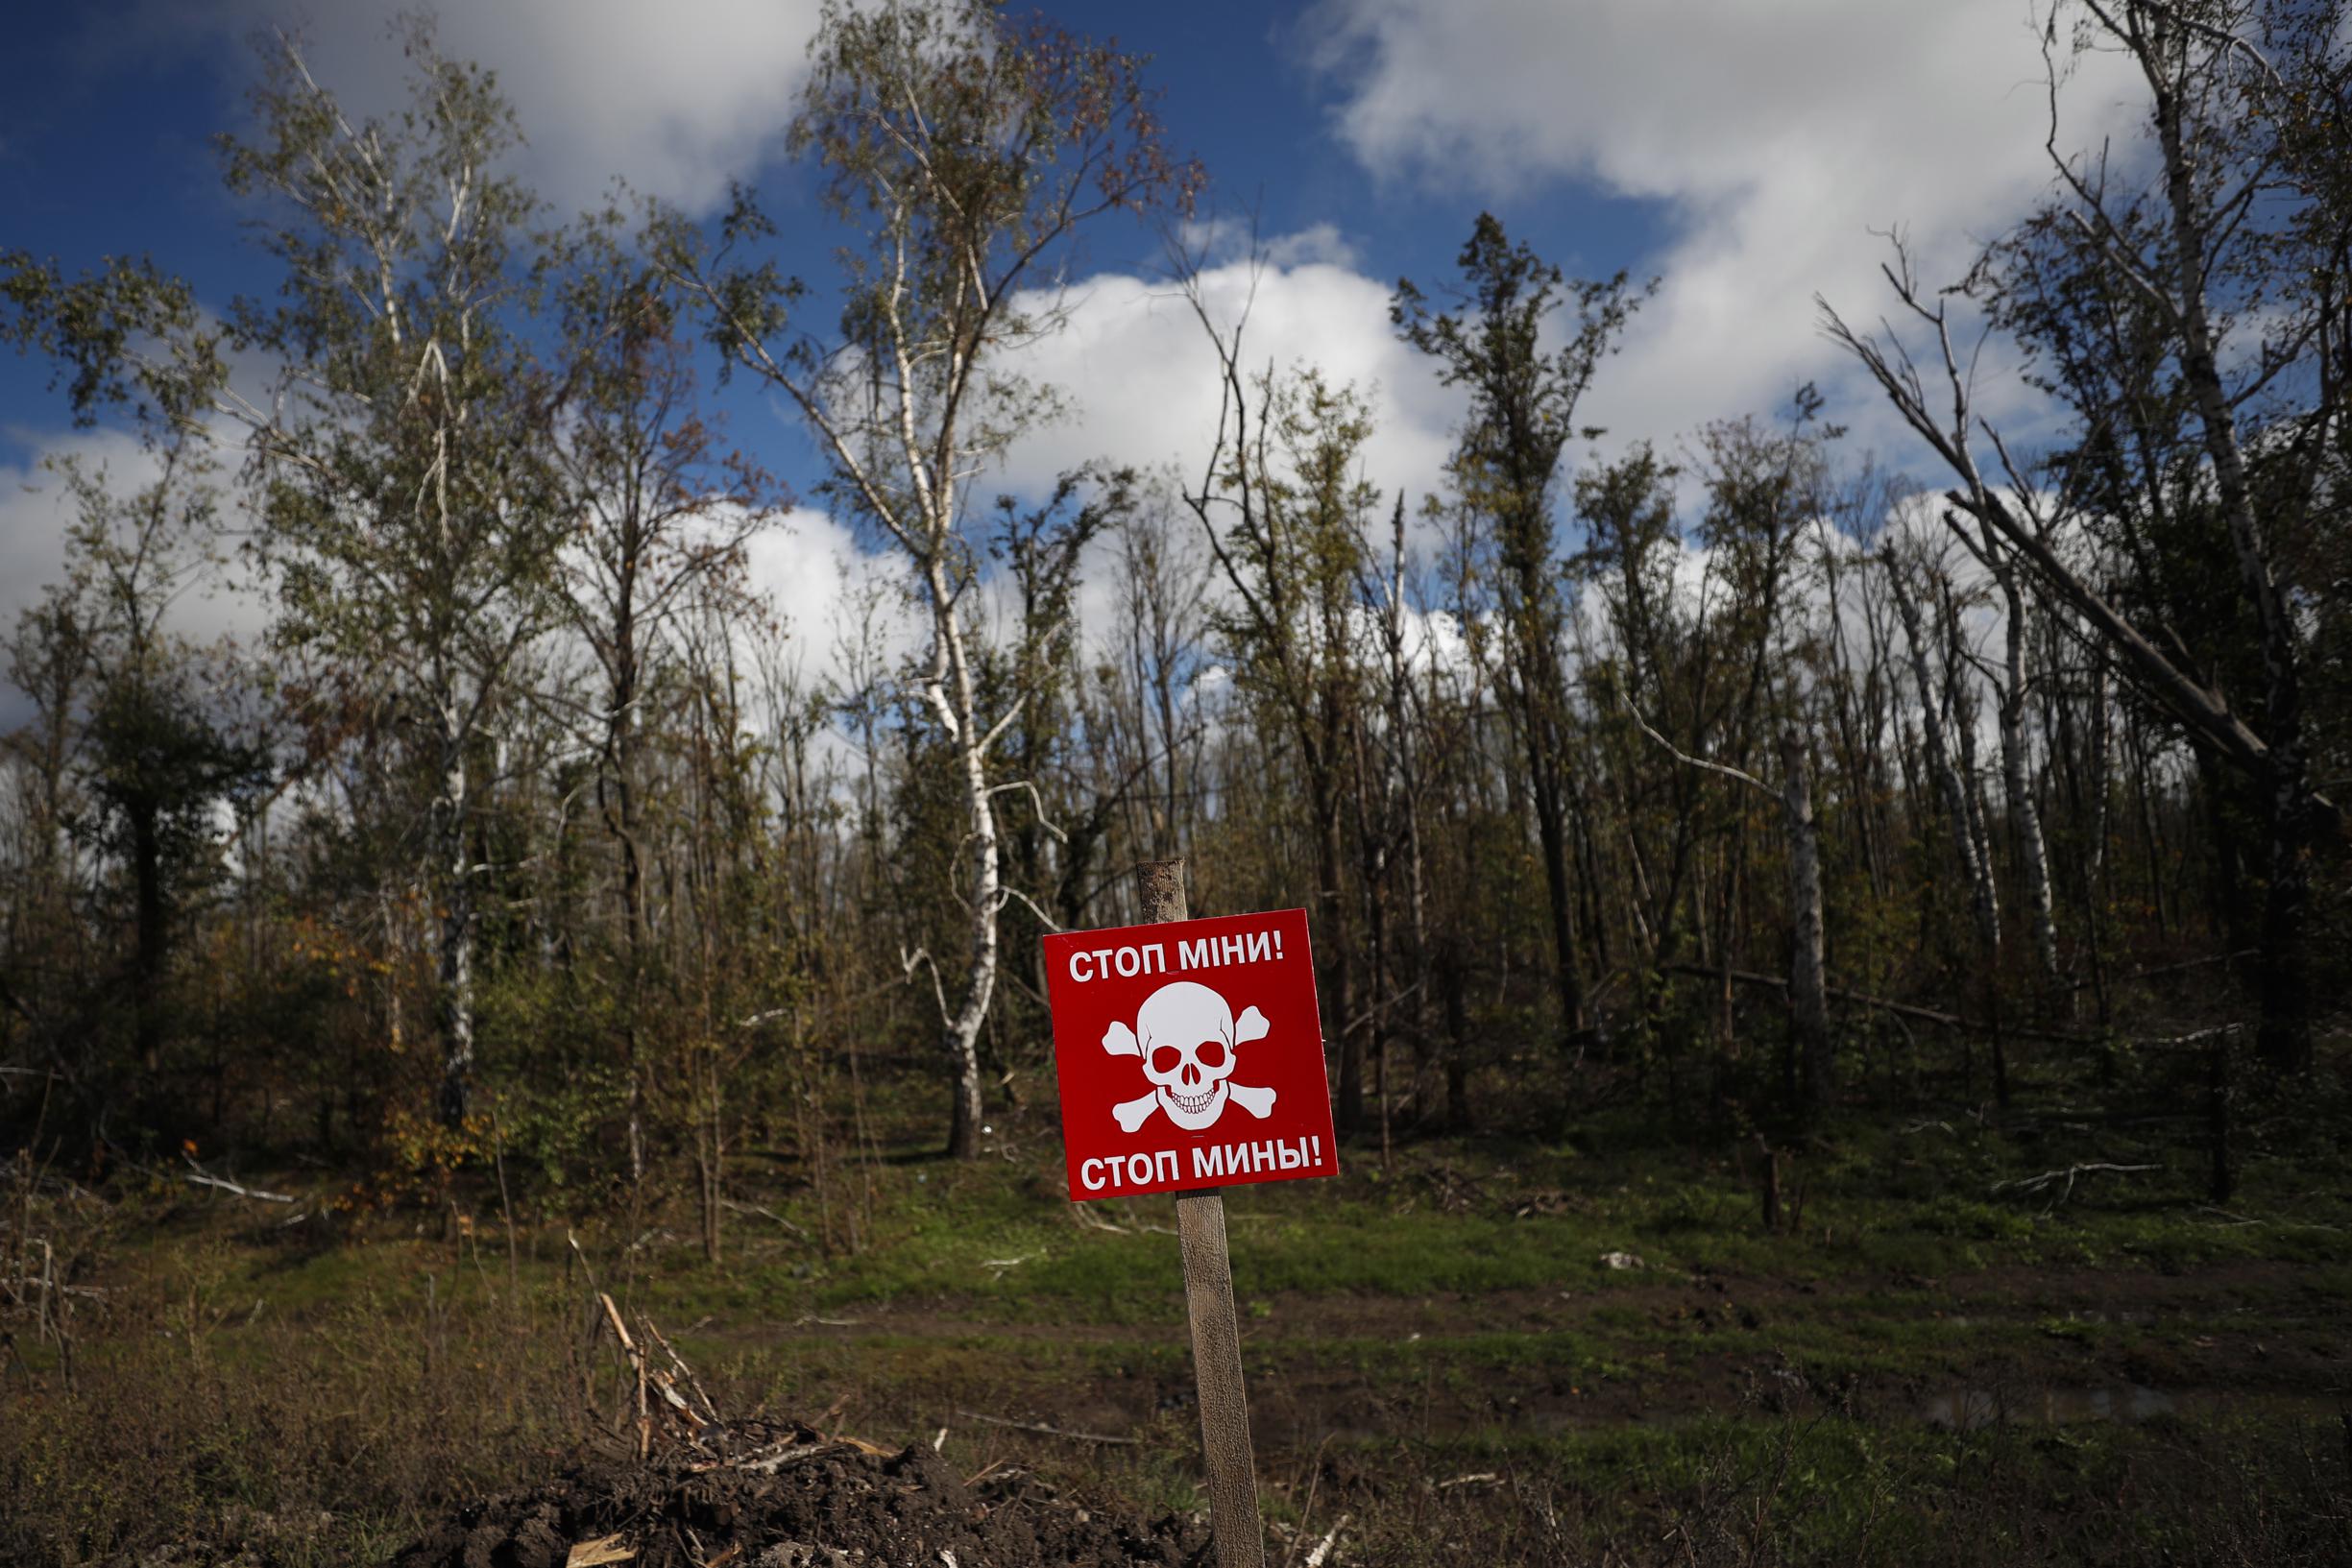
column 1920, row 1365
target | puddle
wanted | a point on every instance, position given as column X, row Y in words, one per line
column 1966, row 1409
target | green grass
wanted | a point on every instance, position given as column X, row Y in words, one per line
column 1764, row 1489
column 1000, row 1244
column 1458, row 1301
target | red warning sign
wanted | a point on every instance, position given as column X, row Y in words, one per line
column 1190, row 1056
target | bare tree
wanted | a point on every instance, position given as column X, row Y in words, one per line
column 2012, row 688
column 1953, row 784
column 1282, row 503
column 662, row 513
column 965, row 155
column 1523, row 412
column 2216, row 252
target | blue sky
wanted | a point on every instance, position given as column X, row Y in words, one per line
column 107, row 150
column 1741, row 153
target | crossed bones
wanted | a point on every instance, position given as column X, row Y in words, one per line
column 1185, row 1033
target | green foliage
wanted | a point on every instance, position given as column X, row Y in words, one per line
column 558, row 1096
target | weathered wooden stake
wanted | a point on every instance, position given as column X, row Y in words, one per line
column 1240, row 1534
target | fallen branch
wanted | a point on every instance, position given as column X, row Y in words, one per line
column 1900, row 1009
column 2041, row 1182
column 2086, row 983
column 94, row 1293
column 2241, row 1220
column 769, row 1464
column 1049, row 1432
column 1085, row 1219
column 198, row 1178
column 2195, row 1037
column 1323, row 1547
column 637, row 1361
column 732, row 1207
column 992, row 1467
column 682, row 1372
column 597, row 1554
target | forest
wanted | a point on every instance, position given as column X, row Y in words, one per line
column 1914, row 874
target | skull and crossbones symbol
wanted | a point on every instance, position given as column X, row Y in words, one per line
column 1185, row 1034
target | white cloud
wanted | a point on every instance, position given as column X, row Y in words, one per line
column 1780, row 137
column 819, row 580
column 676, row 98
column 1139, row 375
column 36, row 508
column 36, row 511
column 1216, row 239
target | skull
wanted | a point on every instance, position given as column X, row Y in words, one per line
column 1186, row 1034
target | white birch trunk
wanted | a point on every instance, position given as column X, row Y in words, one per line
column 453, row 1001
column 2285, row 1034
column 1948, row 782
column 2017, row 781
column 1807, row 991
column 950, row 693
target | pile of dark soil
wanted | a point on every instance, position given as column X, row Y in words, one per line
column 754, row 1494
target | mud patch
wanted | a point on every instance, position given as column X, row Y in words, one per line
column 761, row 1495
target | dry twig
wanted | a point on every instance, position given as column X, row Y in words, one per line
column 1048, row 1432
column 2048, row 1178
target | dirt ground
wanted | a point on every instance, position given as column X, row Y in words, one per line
column 756, row 1495
column 2132, row 1377
column 2078, row 1346
column 2075, row 1345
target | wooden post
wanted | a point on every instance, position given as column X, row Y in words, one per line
column 1234, row 1524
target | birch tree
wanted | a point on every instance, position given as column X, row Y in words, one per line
column 2222, row 248
column 410, row 515
column 2012, row 688
column 1953, row 786
column 965, row 155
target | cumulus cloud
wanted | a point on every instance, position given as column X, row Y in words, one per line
column 1778, row 136
column 820, row 582
column 36, row 511
column 36, row 508
column 1139, row 376
column 1137, row 379
column 677, row 99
